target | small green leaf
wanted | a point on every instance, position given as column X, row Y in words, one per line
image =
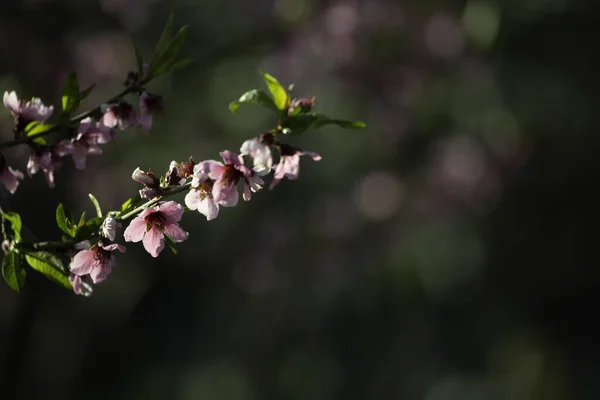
column 39, row 129
column 49, row 265
column 323, row 120
column 96, row 205
column 64, row 220
column 179, row 64
column 81, row 221
column 171, row 244
column 86, row 92
column 298, row 124
column 15, row 222
column 280, row 95
column 13, row 272
column 160, row 65
column 130, row 203
column 165, row 38
column 70, row 95
column 254, row 96
column 139, row 60
column 90, row 229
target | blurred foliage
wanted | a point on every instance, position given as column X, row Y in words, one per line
column 445, row 252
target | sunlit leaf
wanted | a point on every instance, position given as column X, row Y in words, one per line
column 254, row 96
column 13, row 272
column 96, row 205
column 15, row 222
column 171, row 244
column 280, row 95
column 70, row 95
column 49, row 265
column 65, row 221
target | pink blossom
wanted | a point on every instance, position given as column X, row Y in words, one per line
column 121, row 115
column 97, row 262
column 47, row 159
column 10, row 178
column 259, row 148
column 153, row 224
column 227, row 176
column 32, row 110
column 149, row 104
column 81, row 284
column 89, row 136
column 289, row 163
column 200, row 196
column 175, row 176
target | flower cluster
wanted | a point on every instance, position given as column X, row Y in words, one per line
column 86, row 134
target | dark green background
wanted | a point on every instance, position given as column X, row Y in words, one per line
column 448, row 251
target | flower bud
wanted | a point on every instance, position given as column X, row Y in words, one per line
column 109, row 228
column 149, row 193
column 145, row 178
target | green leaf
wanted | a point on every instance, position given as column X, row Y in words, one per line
column 160, row 65
column 49, row 265
column 139, row 60
column 165, row 38
column 179, row 64
column 171, row 244
column 13, row 272
column 81, row 221
column 15, row 222
column 38, row 129
column 254, row 96
column 64, row 220
column 323, row 120
column 86, row 92
column 298, row 124
column 70, row 95
column 90, row 229
column 96, row 204
column 280, row 95
column 130, row 203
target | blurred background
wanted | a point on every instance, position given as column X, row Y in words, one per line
column 446, row 252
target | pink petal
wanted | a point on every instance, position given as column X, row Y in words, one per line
column 148, row 211
column 102, row 270
column 136, row 230
column 175, row 232
column 145, row 121
column 247, row 192
column 225, row 195
column 11, row 101
column 110, row 119
column 229, row 157
column 314, row 156
column 172, row 211
column 154, row 242
column 215, row 169
column 75, row 281
column 192, row 199
column 83, row 262
column 209, row 208
column 79, row 156
column 113, row 247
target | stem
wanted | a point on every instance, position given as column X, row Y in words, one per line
column 74, row 120
column 152, row 202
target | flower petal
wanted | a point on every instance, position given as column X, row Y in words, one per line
column 172, row 211
column 209, row 208
column 175, row 232
column 192, row 199
column 83, row 262
column 154, row 242
column 136, row 230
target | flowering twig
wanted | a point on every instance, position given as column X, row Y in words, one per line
column 90, row 245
